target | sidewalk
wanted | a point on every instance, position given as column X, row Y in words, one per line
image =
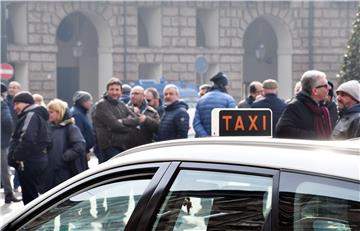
column 8, row 208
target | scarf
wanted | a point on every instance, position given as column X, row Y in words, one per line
column 322, row 122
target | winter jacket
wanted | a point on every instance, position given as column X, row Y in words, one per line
column 114, row 123
column 145, row 132
column 211, row 100
column 6, row 124
column 31, row 138
column 174, row 123
column 348, row 126
column 83, row 123
column 67, row 155
column 276, row 105
column 246, row 103
column 297, row 121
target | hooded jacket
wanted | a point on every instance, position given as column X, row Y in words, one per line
column 31, row 138
column 67, row 155
column 174, row 123
column 348, row 126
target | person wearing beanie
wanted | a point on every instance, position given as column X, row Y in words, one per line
column 82, row 104
column 29, row 145
column 271, row 100
column 217, row 97
column 125, row 96
column 348, row 100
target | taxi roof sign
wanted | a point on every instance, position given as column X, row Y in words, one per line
column 241, row 122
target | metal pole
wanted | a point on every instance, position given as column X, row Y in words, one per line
column 311, row 35
column 125, row 42
column 3, row 32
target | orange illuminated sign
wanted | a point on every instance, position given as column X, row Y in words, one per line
column 242, row 122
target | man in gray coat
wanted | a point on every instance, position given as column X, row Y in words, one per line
column 348, row 99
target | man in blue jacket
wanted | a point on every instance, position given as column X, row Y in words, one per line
column 82, row 104
column 217, row 97
column 174, row 123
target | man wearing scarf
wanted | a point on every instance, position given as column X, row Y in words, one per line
column 306, row 117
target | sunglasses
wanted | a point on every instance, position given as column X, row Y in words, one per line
column 325, row 85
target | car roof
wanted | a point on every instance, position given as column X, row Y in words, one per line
column 334, row 158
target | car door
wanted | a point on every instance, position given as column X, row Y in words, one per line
column 308, row 202
column 109, row 200
column 204, row 196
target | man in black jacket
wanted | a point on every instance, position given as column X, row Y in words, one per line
column 306, row 117
column 29, row 144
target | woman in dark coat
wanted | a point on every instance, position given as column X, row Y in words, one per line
column 67, row 155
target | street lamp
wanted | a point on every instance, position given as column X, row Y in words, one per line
column 260, row 52
column 77, row 49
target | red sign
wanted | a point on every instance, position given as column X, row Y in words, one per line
column 6, row 71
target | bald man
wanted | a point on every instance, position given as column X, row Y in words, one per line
column 149, row 117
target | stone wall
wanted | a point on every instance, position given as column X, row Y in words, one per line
column 331, row 28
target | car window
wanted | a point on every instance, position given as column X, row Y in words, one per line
column 106, row 207
column 318, row 203
column 205, row 200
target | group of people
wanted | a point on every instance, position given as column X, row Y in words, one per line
column 312, row 113
column 49, row 143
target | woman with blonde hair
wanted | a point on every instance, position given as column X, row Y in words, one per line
column 67, row 155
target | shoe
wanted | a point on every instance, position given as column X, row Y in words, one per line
column 11, row 198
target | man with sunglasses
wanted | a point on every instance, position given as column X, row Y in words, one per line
column 348, row 99
column 306, row 117
column 149, row 117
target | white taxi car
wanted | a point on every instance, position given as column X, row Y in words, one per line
column 217, row 183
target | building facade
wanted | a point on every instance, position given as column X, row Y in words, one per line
column 60, row 47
